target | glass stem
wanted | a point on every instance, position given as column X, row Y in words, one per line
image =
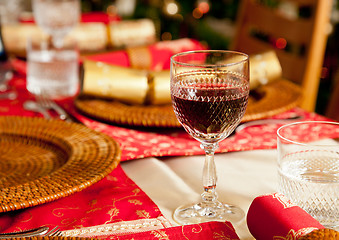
column 209, row 174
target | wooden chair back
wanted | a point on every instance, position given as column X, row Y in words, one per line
column 297, row 35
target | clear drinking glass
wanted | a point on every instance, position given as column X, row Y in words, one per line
column 56, row 17
column 209, row 91
column 308, row 167
column 52, row 72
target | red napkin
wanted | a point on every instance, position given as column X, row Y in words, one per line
column 100, row 17
column 273, row 216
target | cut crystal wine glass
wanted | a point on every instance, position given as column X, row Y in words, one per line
column 56, row 17
column 209, row 91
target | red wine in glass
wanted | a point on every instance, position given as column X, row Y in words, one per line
column 209, row 108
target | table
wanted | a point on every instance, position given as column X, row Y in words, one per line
column 174, row 180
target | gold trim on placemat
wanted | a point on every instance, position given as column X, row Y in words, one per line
column 43, row 160
column 267, row 101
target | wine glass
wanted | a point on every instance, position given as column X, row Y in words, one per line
column 209, row 91
column 56, row 17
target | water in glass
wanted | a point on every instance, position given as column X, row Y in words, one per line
column 53, row 73
column 314, row 190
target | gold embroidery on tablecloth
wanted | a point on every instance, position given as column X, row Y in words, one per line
column 93, row 202
column 283, row 200
column 68, row 221
column 193, row 230
column 93, row 210
column 113, row 212
column 143, row 214
column 160, row 234
column 135, row 202
column 294, row 235
column 136, row 191
column 196, row 229
column 112, row 178
column 220, row 236
column 58, row 212
column 29, row 217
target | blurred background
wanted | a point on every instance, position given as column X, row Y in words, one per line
column 212, row 22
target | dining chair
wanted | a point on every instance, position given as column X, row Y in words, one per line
column 332, row 110
column 296, row 30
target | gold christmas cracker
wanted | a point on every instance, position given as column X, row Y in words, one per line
column 159, row 89
column 120, row 83
column 264, row 68
column 130, row 33
column 137, row 86
column 90, row 37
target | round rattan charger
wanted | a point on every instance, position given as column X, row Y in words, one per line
column 267, row 101
column 44, row 160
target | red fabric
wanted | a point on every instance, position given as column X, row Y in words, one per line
column 119, row 58
column 176, row 142
column 100, row 17
column 275, row 217
column 115, row 198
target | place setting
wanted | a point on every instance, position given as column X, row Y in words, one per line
column 44, row 159
column 154, row 137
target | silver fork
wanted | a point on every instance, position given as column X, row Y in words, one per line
column 48, row 103
column 39, row 231
column 35, row 107
column 54, row 232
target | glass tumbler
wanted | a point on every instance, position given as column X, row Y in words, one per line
column 308, row 168
column 53, row 72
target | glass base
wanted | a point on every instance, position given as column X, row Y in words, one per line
column 206, row 212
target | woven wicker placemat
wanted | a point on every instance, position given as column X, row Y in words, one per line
column 132, row 115
column 269, row 100
column 41, row 160
column 321, row 234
